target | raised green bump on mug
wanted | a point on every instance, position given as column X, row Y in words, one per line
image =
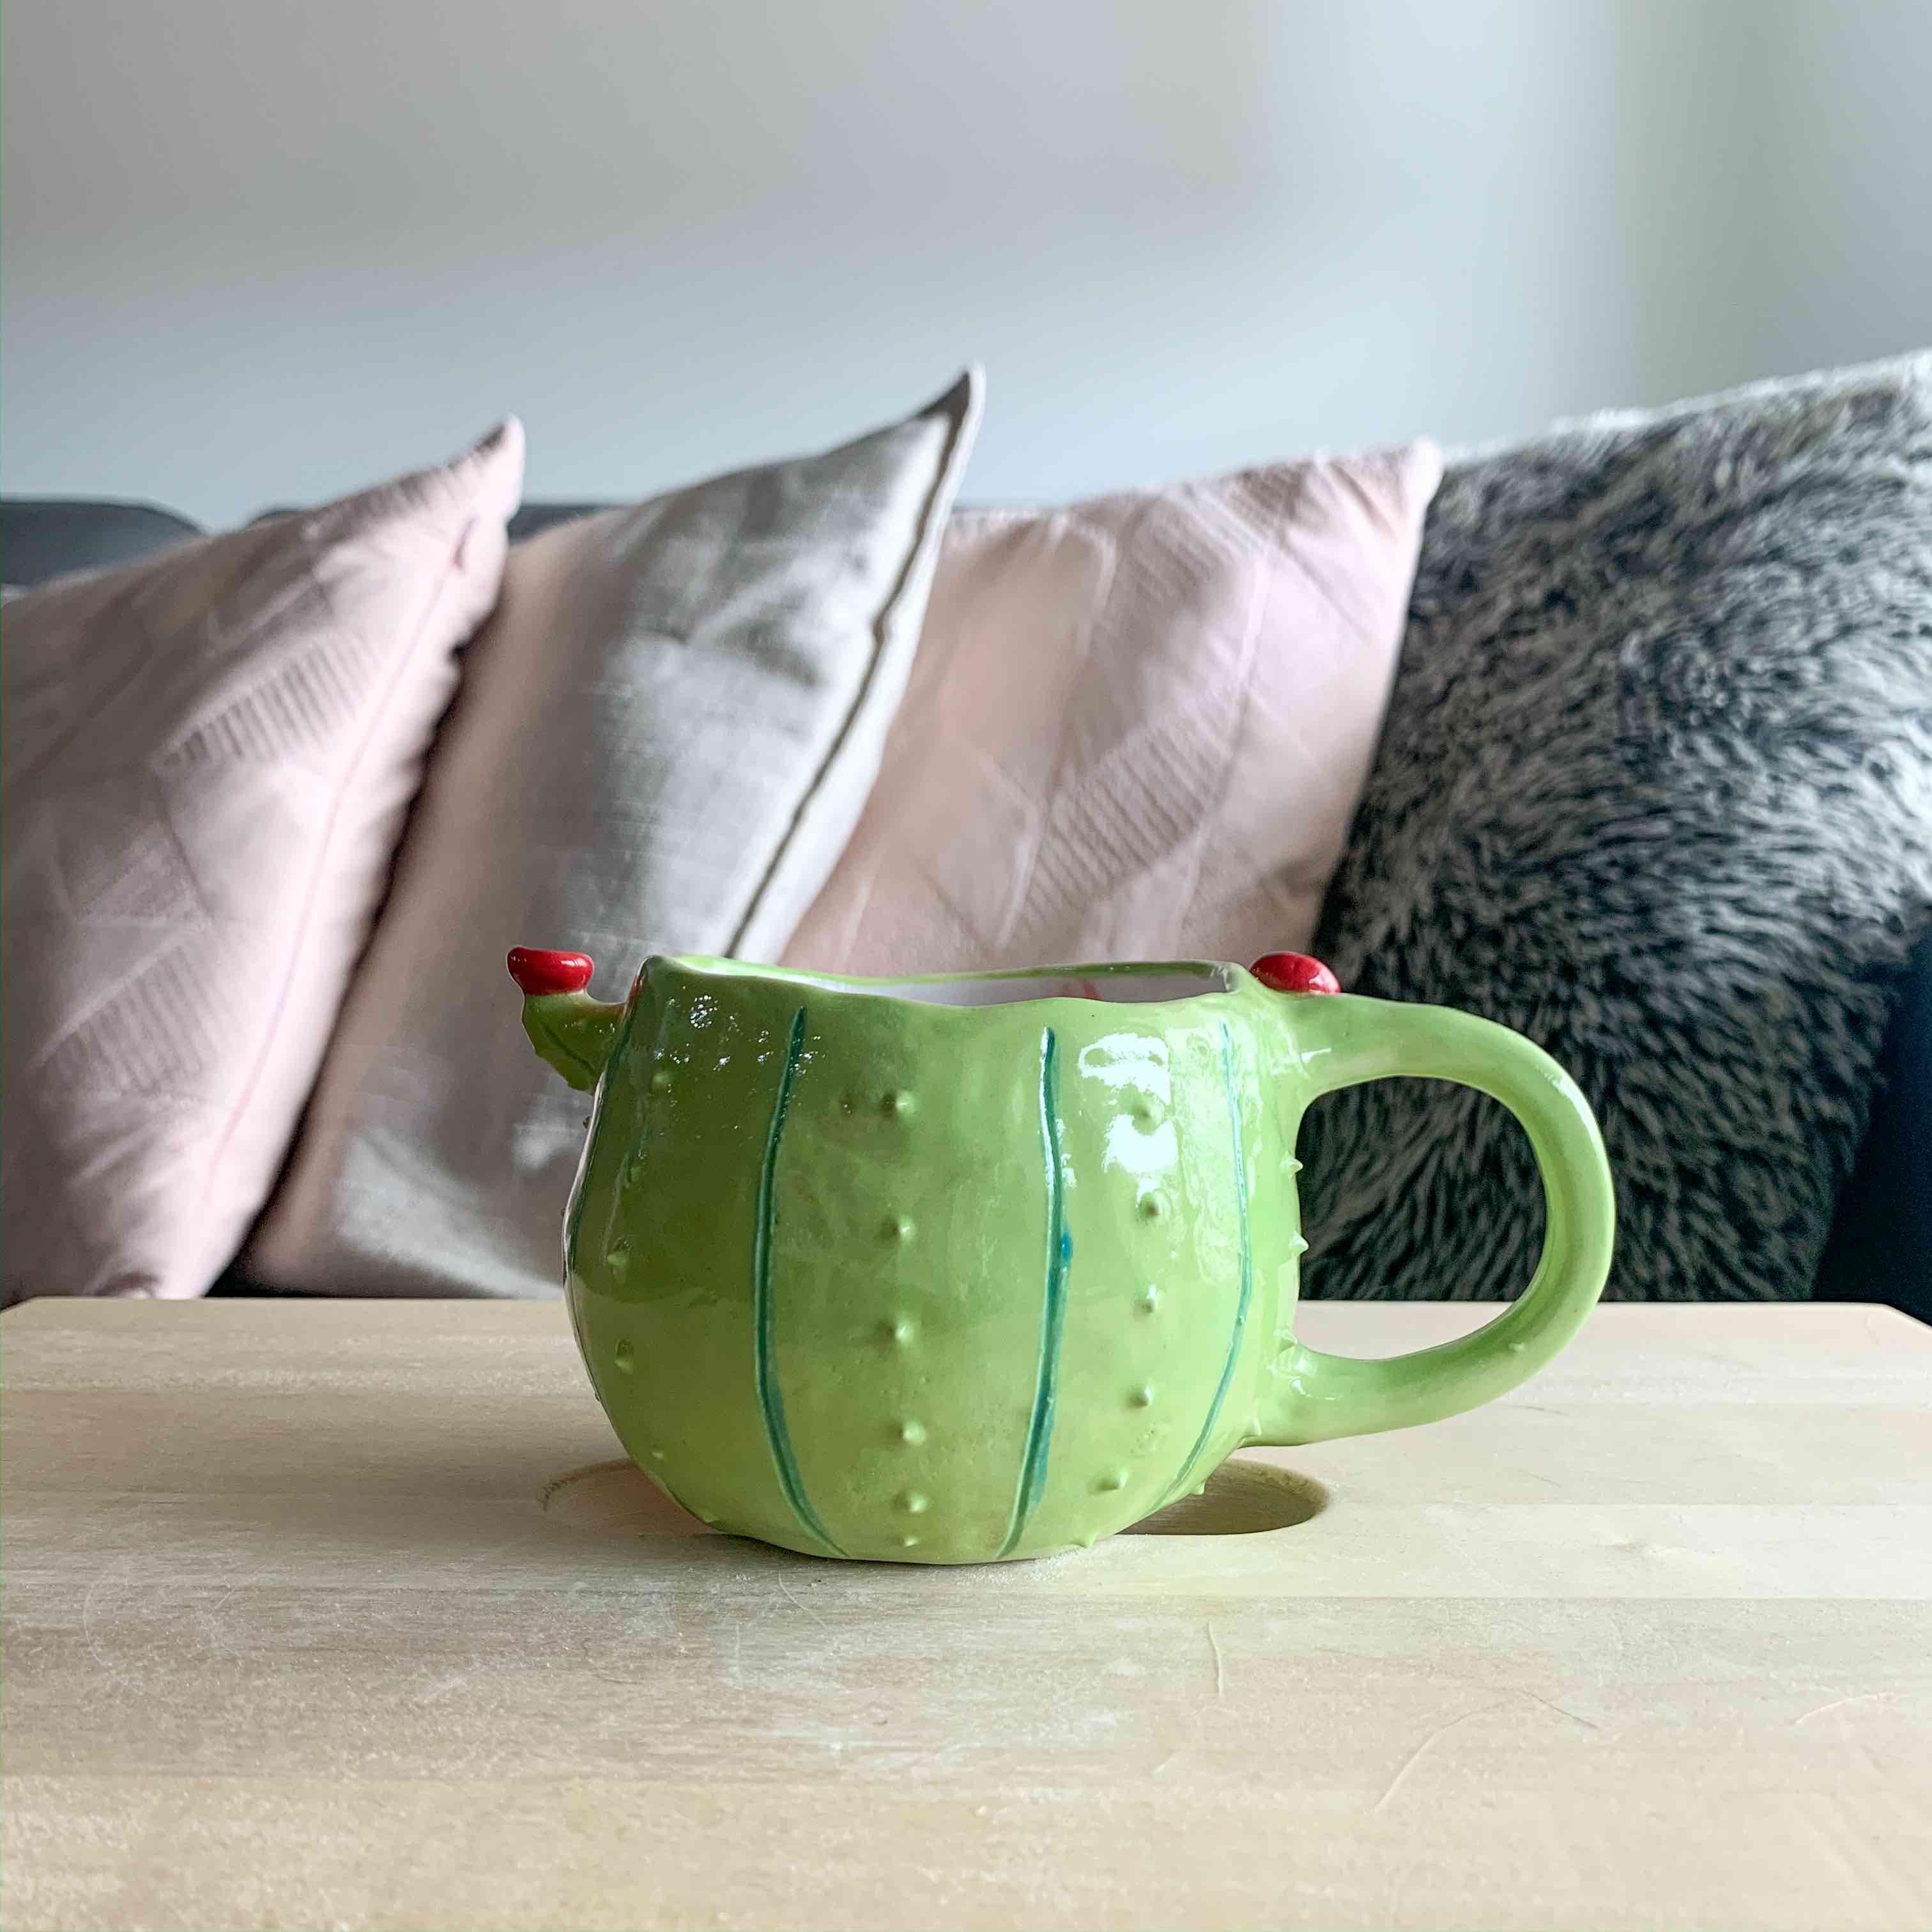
column 900, row 1278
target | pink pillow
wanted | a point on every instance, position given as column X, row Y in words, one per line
column 1137, row 728
column 207, row 757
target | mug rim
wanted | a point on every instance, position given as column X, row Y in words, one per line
column 1214, row 978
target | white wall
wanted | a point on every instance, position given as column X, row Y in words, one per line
column 1847, row 182
column 263, row 249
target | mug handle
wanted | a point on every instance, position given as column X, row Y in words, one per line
column 1342, row 1040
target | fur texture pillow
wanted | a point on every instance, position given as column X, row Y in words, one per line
column 1656, row 788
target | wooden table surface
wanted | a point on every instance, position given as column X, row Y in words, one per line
column 339, row 1614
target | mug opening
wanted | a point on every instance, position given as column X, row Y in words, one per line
column 1110, row 984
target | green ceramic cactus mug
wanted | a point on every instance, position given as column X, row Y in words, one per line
column 952, row 1270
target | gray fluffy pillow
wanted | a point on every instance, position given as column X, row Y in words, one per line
column 1655, row 789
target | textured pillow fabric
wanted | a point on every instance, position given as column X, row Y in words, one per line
column 207, row 760
column 1656, row 788
column 662, row 742
column 1136, row 728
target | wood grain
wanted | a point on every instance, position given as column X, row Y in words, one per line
column 341, row 1614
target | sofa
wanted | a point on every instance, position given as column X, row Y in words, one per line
column 1878, row 1246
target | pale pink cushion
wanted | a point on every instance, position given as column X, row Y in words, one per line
column 1137, row 728
column 207, row 756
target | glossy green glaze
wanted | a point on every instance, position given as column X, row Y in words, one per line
column 866, row 1275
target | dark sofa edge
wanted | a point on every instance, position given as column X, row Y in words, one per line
column 42, row 538
column 1880, row 1246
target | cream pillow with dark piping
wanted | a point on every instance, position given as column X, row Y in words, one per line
column 662, row 741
